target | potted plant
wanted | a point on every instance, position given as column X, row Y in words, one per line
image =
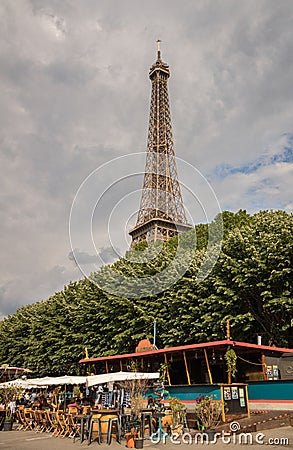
column 8, row 394
column 137, row 404
column 136, row 389
column 231, row 361
column 208, row 414
column 178, row 411
column 8, row 421
column 76, row 392
column 138, row 442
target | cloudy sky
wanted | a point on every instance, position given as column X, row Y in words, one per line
column 75, row 95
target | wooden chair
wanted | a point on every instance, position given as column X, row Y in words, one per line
column 86, row 410
column 50, row 420
column 29, row 419
column 48, row 426
column 61, row 424
column 43, row 421
column 20, row 419
column 74, row 426
column 73, row 410
column 38, row 426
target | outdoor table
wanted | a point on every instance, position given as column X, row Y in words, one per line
column 160, row 432
column 104, row 413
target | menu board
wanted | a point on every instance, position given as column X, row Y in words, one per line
column 270, row 373
column 235, row 399
column 227, row 393
column 234, row 390
column 275, row 372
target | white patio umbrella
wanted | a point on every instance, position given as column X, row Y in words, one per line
column 19, row 382
column 57, row 381
column 120, row 376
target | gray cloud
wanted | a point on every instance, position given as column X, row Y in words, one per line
column 32, row 287
column 75, row 93
column 81, row 257
column 109, row 254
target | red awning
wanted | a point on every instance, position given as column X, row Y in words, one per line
column 186, row 348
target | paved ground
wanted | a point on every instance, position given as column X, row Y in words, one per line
column 278, row 438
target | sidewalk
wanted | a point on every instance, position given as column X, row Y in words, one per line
column 277, row 438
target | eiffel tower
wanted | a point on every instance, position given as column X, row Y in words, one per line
column 161, row 214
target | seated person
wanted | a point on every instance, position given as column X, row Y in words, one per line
column 151, row 403
column 98, row 400
column 75, row 404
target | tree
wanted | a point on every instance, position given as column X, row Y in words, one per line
column 251, row 284
column 252, row 281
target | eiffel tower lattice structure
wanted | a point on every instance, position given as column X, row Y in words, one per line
column 161, row 214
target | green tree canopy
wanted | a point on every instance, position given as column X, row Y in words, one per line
column 250, row 284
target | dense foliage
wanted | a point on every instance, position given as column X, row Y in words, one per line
column 251, row 284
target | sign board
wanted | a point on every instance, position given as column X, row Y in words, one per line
column 235, row 399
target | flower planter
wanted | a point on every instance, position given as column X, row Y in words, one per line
column 129, row 440
column 202, row 436
column 7, row 426
column 211, row 434
column 177, row 429
column 138, row 442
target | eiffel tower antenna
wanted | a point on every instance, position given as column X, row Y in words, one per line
column 161, row 214
column 159, row 49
